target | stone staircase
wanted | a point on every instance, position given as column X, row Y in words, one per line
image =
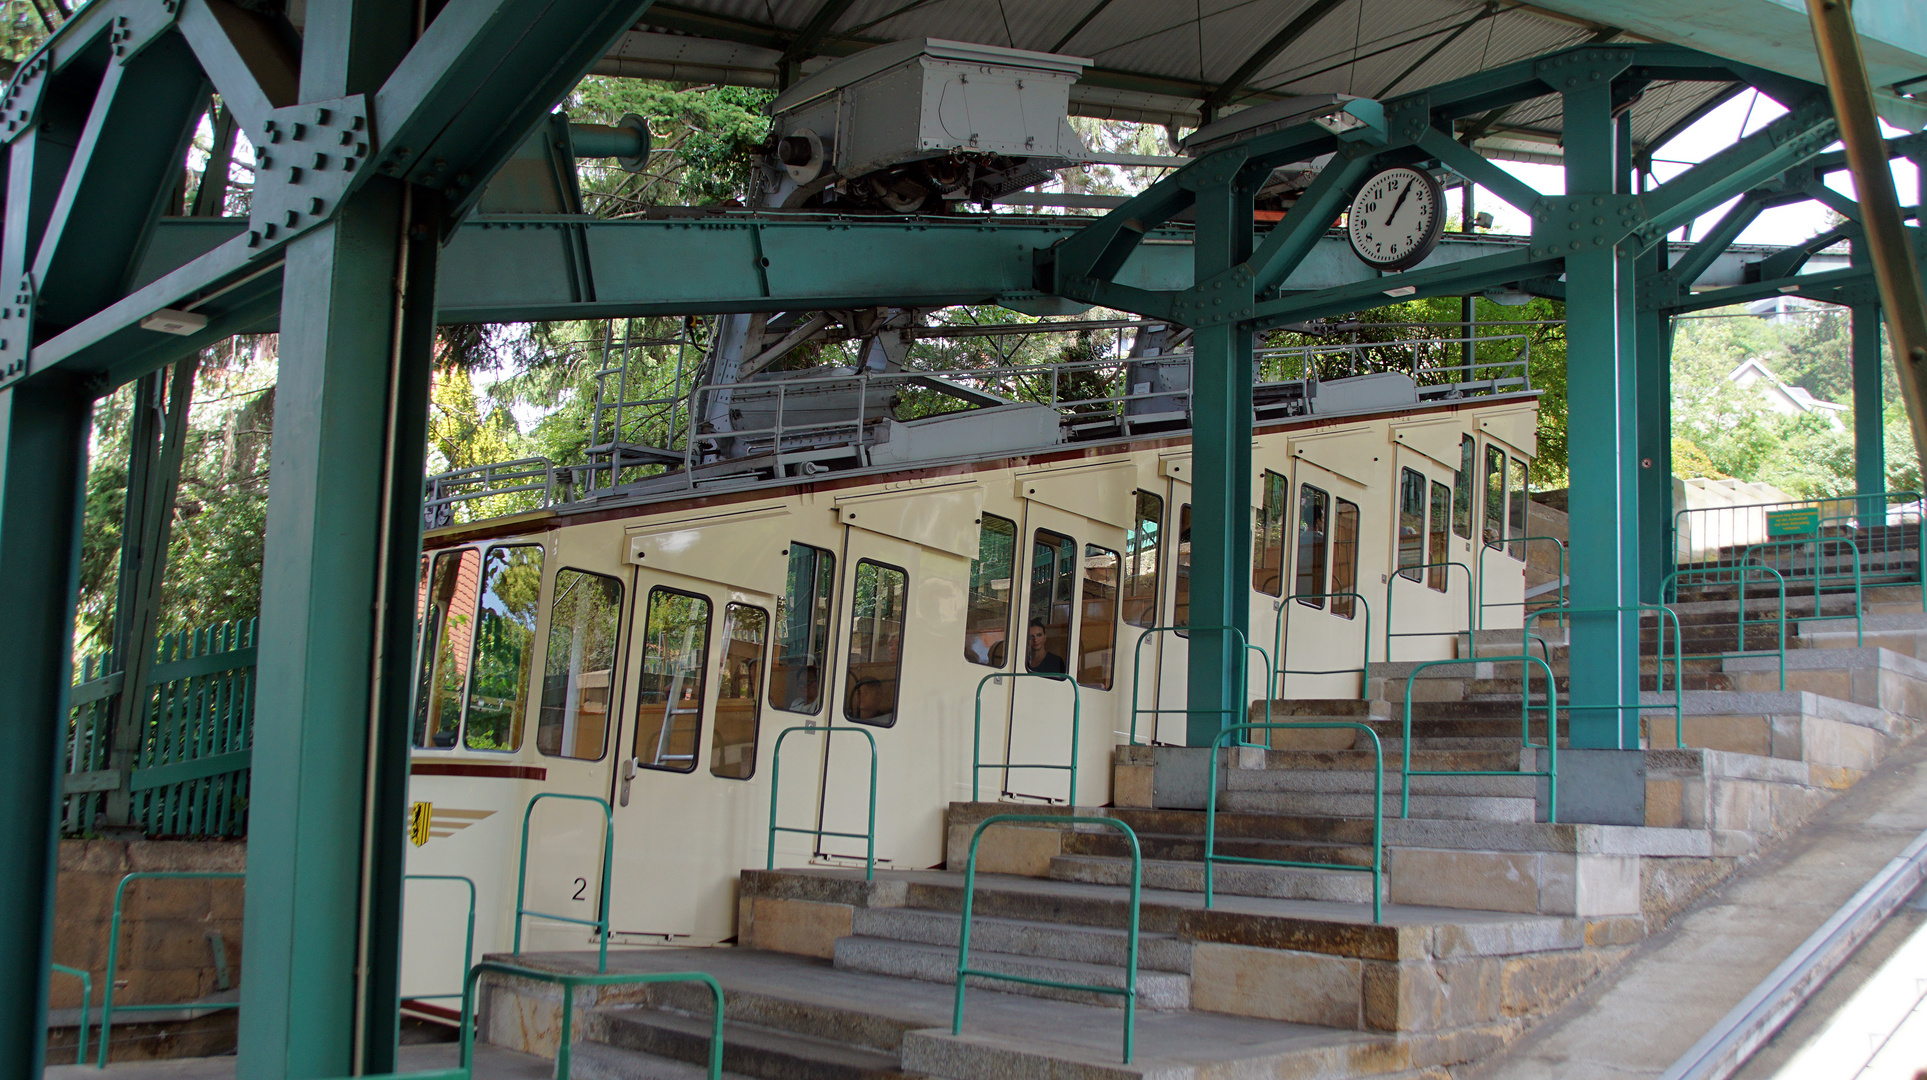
column 1493, row 916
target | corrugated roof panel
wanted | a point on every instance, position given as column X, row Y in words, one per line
column 1361, row 46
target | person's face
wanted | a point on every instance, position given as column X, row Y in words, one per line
column 1037, row 642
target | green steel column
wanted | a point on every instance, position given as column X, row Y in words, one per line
column 1603, row 462
column 1652, row 362
column 43, row 454
column 1869, row 385
column 1869, row 400
column 1221, row 467
column 336, row 517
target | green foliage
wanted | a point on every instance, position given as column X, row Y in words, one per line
column 1734, row 431
column 1541, row 339
column 706, row 140
column 220, row 513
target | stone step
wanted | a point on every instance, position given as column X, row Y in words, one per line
column 750, row 1050
column 938, row 964
column 1359, row 806
column 1189, row 847
column 1232, row 879
column 1254, row 825
column 1425, row 758
column 599, row 1061
column 1050, row 941
column 1356, row 781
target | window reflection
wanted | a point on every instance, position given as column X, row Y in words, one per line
column 1411, row 522
column 448, row 629
column 578, row 678
column 803, row 631
column 1053, row 577
column 1345, row 559
column 1312, row 526
column 1097, row 627
column 876, row 643
column 987, row 621
column 669, row 704
column 732, row 750
column 1141, row 562
column 498, row 680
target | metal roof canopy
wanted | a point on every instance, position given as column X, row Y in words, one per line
column 1176, row 63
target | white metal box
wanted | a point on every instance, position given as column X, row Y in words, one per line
column 926, row 98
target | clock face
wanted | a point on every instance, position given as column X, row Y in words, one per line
column 1395, row 218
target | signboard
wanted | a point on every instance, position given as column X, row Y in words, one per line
column 1803, row 521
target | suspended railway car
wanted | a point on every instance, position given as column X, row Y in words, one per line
column 644, row 648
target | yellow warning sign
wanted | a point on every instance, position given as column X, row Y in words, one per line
column 418, row 818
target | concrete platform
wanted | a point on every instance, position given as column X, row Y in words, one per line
column 1639, row 1018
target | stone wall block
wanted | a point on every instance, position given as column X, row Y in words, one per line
column 1276, row 984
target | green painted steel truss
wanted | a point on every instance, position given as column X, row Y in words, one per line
column 378, row 138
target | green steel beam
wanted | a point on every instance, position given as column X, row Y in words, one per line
column 126, row 166
column 320, row 953
column 1789, row 140
column 483, row 73
column 253, row 59
column 43, row 451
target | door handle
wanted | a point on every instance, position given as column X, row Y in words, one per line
column 628, row 774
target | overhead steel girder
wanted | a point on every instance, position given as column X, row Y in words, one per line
column 544, row 268
column 1416, row 126
column 125, row 82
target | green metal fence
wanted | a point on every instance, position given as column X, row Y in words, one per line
column 869, row 836
column 1231, row 715
column 1820, row 575
column 1376, row 869
column 1408, row 574
column 1888, row 527
column 1663, row 612
column 1281, row 625
column 601, row 922
column 1551, row 747
column 1735, row 575
column 1128, row 991
column 186, row 772
column 107, row 1005
column 977, row 762
column 565, row 1036
column 86, row 996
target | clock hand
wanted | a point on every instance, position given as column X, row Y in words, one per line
column 1400, row 202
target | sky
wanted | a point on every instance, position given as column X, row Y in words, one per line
column 1714, row 132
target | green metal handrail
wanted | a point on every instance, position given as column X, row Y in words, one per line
column 1659, row 667
column 1885, row 497
column 86, row 996
column 107, row 1006
column 468, row 946
column 569, row 984
column 1669, row 586
column 1377, row 869
column 1471, row 605
column 1490, row 546
column 1129, row 991
column 977, row 764
column 608, row 855
column 1859, row 590
column 1244, row 676
column 776, row 774
column 1282, row 621
column 1550, row 772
